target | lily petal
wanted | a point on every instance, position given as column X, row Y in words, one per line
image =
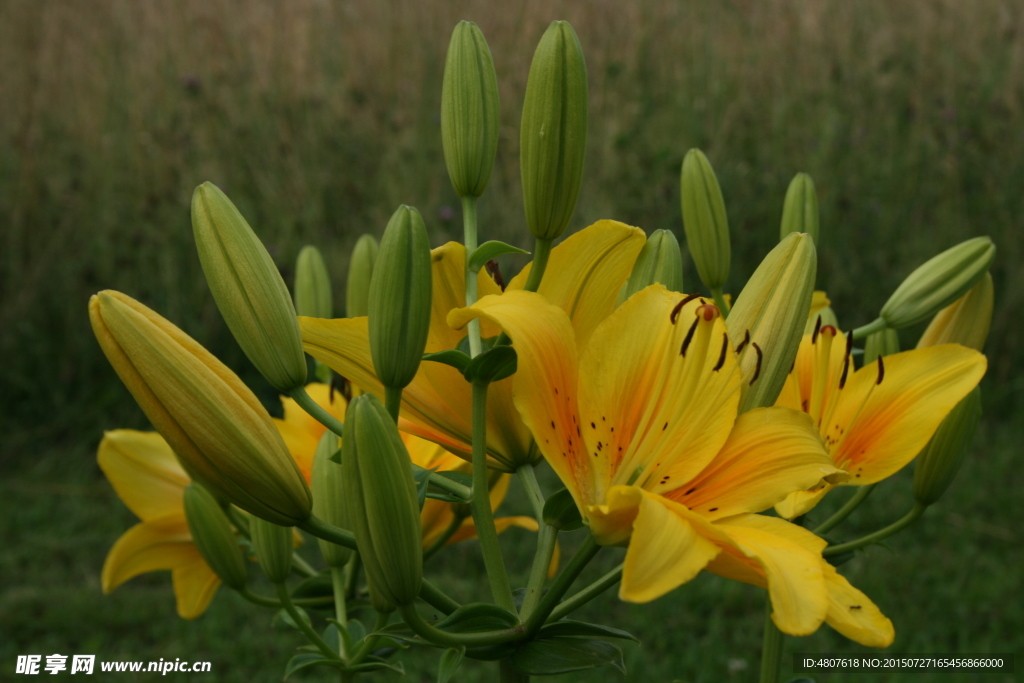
column 853, row 614
column 144, row 472
column 153, row 545
column 194, row 587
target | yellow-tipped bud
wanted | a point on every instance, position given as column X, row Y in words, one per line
column 360, row 271
column 400, row 296
column 328, row 497
column 381, row 502
column 553, row 135
column 965, row 321
column 272, row 544
column 214, row 537
column 938, row 463
column 469, row 110
column 312, row 285
column 658, row 261
column 882, row 343
column 800, row 210
column 704, row 220
column 221, row 433
column 769, row 317
column 248, row 289
column 939, row 282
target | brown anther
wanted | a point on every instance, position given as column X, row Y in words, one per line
column 495, row 272
column 689, row 337
column 757, row 368
column 846, row 370
column 817, row 328
column 849, row 342
column 881, row 371
column 743, row 344
column 721, row 356
column 674, row 315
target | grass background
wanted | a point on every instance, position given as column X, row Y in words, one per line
column 319, row 117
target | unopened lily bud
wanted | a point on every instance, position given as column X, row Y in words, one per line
column 214, row 537
column 312, row 285
column 272, row 544
column 938, row 463
column 767, row 322
column 399, row 305
column 328, row 497
column 248, row 289
column 469, row 111
column 659, row 261
column 704, row 220
column 939, row 282
column 360, row 270
column 882, row 343
column 965, row 321
column 381, row 503
column 553, row 135
column 800, row 210
column 221, row 433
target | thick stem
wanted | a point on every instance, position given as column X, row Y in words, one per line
column 340, row 609
column 844, row 512
column 470, row 238
column 541, row 252
column 508, row 674
column 478, row 639
column 879, row 535
column 351, row 576
column 300, row 566
column 313, row 408
column 480, row 504
column 303, row 625
column 562, row 582
column 546, row 538
column 771, row 650
column 433, row 596
column 370, row 641
column 719, row 298
column 328, row 532
column 271, row 602
column 393, row 401
column 576, row 601
column 447, row 485
column 876, row 325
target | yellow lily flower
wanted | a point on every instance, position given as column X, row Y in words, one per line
column 876, row 419
column 583, row 277
column 640, row 423
column 146, row 475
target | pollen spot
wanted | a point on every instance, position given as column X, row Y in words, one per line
column 713, row 510
column 552, row 424
column 556, row 391
column 690, row 491
column 664, row 426
column 593, row 426
column 855, row 606
column 599, row 445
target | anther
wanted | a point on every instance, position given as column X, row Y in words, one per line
column 679, row 306
column 689, row 337
column 721, row 356
column 817, row 328
column 846, row 370
column 743, row 344
column 757, row 368
column 881, row 371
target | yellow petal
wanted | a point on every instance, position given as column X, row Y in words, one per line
column 163, row 543
column 449, row 291
column 819, row 301
column 435, row 518
column 144, row 472
column 586, row 271
column 770, row 453
column 784, row 557
column 194, row 586
column 853, row 614
column 467, row 530
column 300, row 443
column 431, row 456
column 801, row 502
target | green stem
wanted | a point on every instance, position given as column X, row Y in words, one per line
column 546, row 538
column 528, row 476
column 443, row 538
column 303, row 625
column 340, row 609
column 562, row 582
column 844, row 512
column 433, row 596
column 328, row 532
column 863, row 331
column 271, row 602
column 480, row 504
column 351, row 576
column 393, row 401
column 300, row 396
column 470, row 238
column 541, row 252
column 508, row 674
column 370, row 641
column 477, row 639
column 448, row 485
column 302, row 567
column 719, row 298
column 771, row 650
column 576, row 601
column 879, row 535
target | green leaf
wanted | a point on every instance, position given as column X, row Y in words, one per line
column 450, row 660
column 489, row 250
column 286, row 618
column 335, row 456
column 343, row 632
column 478, row 616
column 560, row 511
column 453, row 357
column 299, row 662
column 377, row 666
column 331, row 636
column 318, row 586
column 486, row 344
column 356, row 630
column 569, row 627
column 492, row 365
column 563, row 654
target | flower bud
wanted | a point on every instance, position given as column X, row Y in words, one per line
column 704, row 220
column 221, row 433
column 248, row 289
column 965, row 321
column 800, row 210
column 214, row 537
column 360, row 270
column 400, row 296
column 553, row 134
column 272, row 544
column 941, row 458
column 772, row 309
column 938, row 282
column 882, row 343
column 381, row 503
column 328, row 498
column 659, row 261
column 312, row 285
column 469, row 111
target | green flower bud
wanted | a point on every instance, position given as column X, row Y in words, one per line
column 312, row 285
column 400, row 296
column 658, row 261
column 214, row 537
column 704, row 220
column 800, row 210
column 965, row 321
column 221, row 433
column 938, row 463
column 469, row 111
column 328, row 497
column 939, row 282
column 882, row 343
column 381, row 503
column 248, row 289
column 273, row 547
column 360, row 270
column 772, row 309
column 553, row 136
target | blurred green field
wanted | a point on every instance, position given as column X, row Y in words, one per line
column 318, row 118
